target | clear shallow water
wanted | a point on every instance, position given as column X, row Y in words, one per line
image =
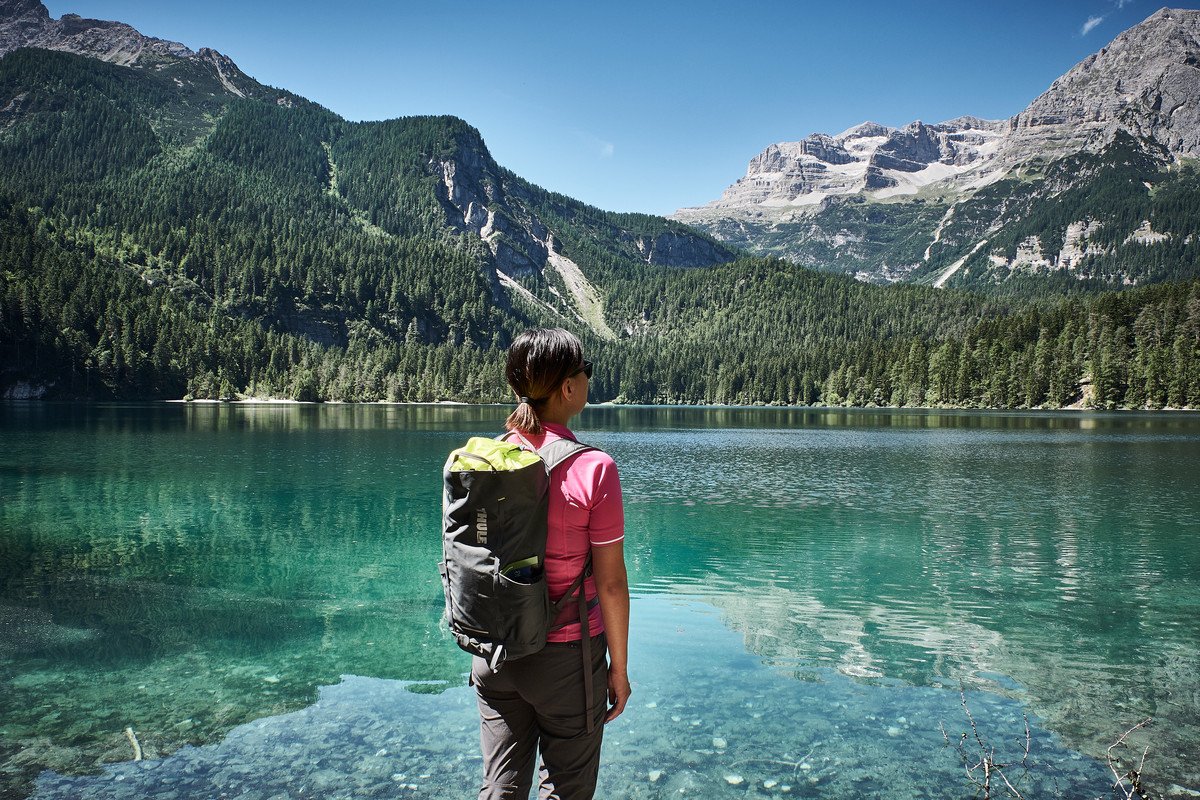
column 199, row 573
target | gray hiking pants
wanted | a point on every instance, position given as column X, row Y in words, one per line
column 536, row 704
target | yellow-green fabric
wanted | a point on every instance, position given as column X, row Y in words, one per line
column 496, row 456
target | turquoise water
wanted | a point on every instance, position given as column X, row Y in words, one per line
column 251, row 591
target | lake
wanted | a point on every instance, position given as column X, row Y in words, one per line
column 249, row 594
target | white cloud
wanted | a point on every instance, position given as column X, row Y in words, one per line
column 1091, row 23
column 1122, row 3
column 601, row 147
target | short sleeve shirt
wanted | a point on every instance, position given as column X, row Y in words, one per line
column 585, row 512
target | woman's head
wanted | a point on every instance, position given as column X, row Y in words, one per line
column 539, row 361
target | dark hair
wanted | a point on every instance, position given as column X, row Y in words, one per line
column 539, row 360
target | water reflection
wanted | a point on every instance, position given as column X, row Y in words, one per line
column 1069, row 564
column 730, row 728
column 186, row 569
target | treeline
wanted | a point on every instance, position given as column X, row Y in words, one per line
column 1135, row 349
column 84, row 325
column 78, row 324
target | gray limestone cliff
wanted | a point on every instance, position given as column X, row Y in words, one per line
column 866, row 157
column 1146, row 82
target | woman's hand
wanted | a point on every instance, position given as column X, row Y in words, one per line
column 612, row 584
column 618, row 693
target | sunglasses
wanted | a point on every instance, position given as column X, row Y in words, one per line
column 585, row 368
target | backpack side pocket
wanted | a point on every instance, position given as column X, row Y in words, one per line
column 526, row 608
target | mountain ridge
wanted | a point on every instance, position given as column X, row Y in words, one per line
column 922, row 202
column 1081, row 110
column 27, row 23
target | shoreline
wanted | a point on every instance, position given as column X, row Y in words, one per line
column 1073, row 409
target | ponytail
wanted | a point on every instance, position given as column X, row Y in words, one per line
column 524, row 418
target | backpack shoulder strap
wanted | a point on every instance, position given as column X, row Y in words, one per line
column 560, row 450
column 553, row 453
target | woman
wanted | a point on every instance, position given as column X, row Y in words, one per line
column 537, row 702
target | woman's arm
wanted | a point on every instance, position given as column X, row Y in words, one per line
column 612, row 586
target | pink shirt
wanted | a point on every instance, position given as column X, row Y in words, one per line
column 585, row 512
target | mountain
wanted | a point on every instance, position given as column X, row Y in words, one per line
column 27, row 23
column 275, row 216
column 983, row 203
column 1143, row 83
column 866, row 157
column 416, row 177
column 163, row 235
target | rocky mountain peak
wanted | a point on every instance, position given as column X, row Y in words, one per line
column 22, row 8
column 1145, row 82
column 864, row 130
column 27, row 23
column 865, row 157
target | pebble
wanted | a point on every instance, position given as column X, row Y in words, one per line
column 734, row 780
column 894, row 731
column 719, row 743
column 675, row 718
column 770, row 783
column 271, row 679
column 655, row 774
column 651, row 705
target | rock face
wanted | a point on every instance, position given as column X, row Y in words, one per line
column 866, row 157
column 1146, row 82
column 530, row 256
column 27, row 23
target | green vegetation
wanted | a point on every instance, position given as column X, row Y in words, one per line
column 763, row 331
column 160, row 241
column 848, row 235
column 1116, row 192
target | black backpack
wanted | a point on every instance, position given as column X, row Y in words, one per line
column 494, row 549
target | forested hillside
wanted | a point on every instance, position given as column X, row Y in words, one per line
column 1093, row 221
column 162, row 241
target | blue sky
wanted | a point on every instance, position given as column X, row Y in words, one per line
column 645, row 106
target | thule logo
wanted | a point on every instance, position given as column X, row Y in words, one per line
column 481, row 526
